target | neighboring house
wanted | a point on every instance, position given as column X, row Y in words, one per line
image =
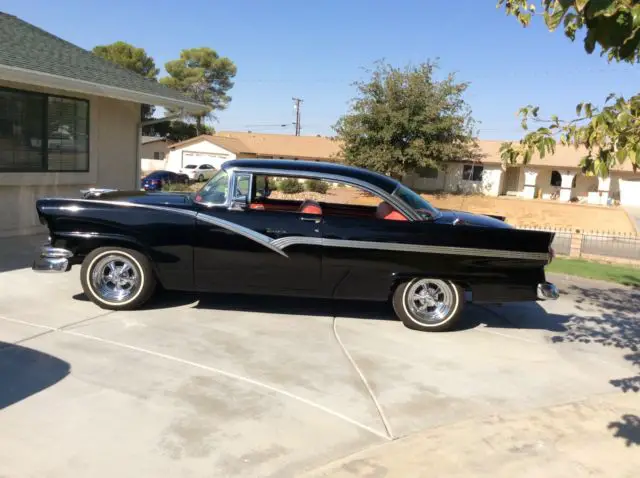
column 69, row 120
column 154, row 151
column 223, row 146
column 556, row 176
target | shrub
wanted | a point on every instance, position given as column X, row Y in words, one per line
column 176, row 187
column 289, row 186
column 316, row 186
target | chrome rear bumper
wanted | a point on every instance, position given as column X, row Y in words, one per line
column 52, row 259
column 548, row 291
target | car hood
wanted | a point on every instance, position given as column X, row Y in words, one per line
column 462, row 218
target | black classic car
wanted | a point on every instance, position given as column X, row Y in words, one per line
column 236, row 235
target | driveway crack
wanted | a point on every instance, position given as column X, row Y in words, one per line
column 365, row 382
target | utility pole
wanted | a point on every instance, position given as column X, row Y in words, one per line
column 297, row 101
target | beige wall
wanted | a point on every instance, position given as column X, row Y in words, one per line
column 147, row 150
column 492, row 178
column 113, row 152
column 147, row 163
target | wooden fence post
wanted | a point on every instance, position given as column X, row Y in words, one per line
column 576, row 244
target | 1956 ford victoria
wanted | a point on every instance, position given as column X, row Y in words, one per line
column 235, row 236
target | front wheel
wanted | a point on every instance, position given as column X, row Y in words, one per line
column 428, row 305
column 116, row 278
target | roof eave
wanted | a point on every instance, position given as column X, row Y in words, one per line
column 31, row 77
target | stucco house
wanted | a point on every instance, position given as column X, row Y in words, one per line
column 556, row 176
column 69, row 120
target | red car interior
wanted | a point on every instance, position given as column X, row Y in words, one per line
column 310, row 207
column 383, row 211
column 386, row 211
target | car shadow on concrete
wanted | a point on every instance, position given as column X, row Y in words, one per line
column 18, row 252
column 472, row 317
column 25, row 372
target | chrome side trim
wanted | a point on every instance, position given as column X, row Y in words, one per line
column 230, row 226
column 277, row 245
column 392, row 246
column 243, row 231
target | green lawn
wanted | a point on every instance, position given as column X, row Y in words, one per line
column 593, row 270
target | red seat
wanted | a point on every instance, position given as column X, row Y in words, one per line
column 387, row 212
column 310, row 207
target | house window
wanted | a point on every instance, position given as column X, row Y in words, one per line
column 556, row 179
column 472, row 172
column 428, row 173
column 40, row 133
column 158, row 155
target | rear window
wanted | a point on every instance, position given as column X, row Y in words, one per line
column 157, row 175
column 190, row 166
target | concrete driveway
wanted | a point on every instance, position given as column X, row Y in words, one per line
column 249, row 386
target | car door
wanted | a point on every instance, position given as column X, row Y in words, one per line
column 239, row 249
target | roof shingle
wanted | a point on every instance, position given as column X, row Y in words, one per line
column 28, row 47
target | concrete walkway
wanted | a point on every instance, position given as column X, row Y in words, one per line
column 634, row 215
column 249, row 386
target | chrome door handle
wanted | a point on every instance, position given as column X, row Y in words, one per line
column 311, row 219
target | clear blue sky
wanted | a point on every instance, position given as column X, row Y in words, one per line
column 315, row 50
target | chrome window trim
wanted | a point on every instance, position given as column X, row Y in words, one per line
column 236, row 177
column 393, row 200
column 227, row 202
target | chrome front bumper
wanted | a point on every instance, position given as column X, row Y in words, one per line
column 52, row 259
column 548, row 291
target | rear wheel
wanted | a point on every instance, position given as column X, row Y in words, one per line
column 117, row 278
column 428, row 305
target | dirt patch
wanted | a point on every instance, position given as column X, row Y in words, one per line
column 540, row 213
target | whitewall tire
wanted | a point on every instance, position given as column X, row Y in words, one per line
column 116, row 278
column 428, row 304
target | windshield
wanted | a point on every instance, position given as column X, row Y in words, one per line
column 417, row 202
column 216, row 190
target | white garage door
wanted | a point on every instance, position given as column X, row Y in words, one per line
column 197, row 158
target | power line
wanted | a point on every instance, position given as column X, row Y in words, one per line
column 298, row 101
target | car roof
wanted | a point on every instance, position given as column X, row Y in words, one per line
column 321, row 167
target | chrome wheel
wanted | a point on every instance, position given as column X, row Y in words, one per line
column 430, row 301
column 115, row 278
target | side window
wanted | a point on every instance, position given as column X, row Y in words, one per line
column 317, row 196
column 242, row 186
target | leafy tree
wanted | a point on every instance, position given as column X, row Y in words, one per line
column 610, row 133
column 403, row 119
column 204, row 76
column 131, row 58
column 176, row 130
